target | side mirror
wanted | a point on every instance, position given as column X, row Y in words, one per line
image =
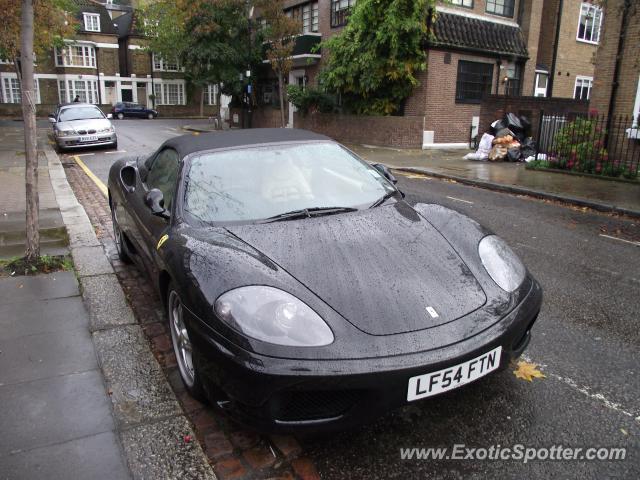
column 384, row 170
column 109, row 116
column 128, row 178
column 52, row 118
column 154, row 199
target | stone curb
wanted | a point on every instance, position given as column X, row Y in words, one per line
column 579, row 202
column 195, row 128
column 150, row 422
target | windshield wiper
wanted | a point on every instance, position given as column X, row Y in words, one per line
column 307, row 213
column 384, row 198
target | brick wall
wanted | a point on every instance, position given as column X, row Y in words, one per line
column 629, row 72
column 450, row 121
column 479, row 8
column 531, row 25
column 399, row 132
column 574, row 58
column 495, row 106
column 547, row 33
column 265, row 117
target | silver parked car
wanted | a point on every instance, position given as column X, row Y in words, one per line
column 78, row 125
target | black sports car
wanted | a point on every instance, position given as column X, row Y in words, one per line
column 302, row 291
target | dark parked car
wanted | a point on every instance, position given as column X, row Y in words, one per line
column 127, row 109
column 302, row 291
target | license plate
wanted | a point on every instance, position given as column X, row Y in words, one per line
column 449, row 378
column 89, row 138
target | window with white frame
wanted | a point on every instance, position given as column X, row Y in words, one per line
column 91, row 22
column 462, row 3
column 211, row 94
column 589, row 23
column 86, row 90
column 162, row 65
column 583, row 88
column 76, row 56
column 310, row 17
column 169, row 93
column 636, row 107
column 11, row 92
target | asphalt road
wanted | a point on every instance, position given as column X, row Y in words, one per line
column 586, row 340
column 135, row 137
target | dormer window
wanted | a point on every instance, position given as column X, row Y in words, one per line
column 91, row 22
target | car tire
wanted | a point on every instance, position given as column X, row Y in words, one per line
column 120, row 116
column 118, row 238
column 115, row 145
column 151, row 116
column 186, row 356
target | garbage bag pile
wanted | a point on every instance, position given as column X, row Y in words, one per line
column 508, row 141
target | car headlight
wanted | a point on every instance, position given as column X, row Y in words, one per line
column 65, row 133
column 107, row 130
column 272, row 315
column 502, row 264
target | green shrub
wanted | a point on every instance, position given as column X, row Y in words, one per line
column 309, row 100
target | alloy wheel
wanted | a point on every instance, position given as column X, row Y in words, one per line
column 117, row 234
column 181, row 341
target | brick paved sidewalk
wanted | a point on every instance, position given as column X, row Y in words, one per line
column 234, row 452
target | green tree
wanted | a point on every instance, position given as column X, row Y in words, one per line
column 210, row 38
column 279, row 35
column 29, row 29
column 373, row 63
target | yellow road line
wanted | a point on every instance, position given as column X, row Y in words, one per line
column 91, row 175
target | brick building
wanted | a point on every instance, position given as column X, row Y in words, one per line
column 569, row 39
column 481, row 47
column 105, row 63
column 507, row 47
column 616, row 90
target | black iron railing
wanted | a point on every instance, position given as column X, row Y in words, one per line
column 590, row 144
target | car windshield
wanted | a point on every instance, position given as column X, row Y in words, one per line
column 80, row 113
column 252, row 184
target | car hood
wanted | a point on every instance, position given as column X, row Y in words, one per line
column 386, row 270
column 92, row 124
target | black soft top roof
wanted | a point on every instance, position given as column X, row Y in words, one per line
column 187, row 144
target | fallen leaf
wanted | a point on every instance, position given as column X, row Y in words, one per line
column 528, row 371
column 624, row 431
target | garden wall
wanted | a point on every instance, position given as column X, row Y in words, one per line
column 398, row 132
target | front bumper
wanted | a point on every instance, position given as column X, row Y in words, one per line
column 275, row 394
column 74, row 141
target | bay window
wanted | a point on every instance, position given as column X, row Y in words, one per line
column 87, row 90
column 169, row 93
column 76, row 56
column 11, row 92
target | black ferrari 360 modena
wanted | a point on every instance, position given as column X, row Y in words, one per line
column 302, row 291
